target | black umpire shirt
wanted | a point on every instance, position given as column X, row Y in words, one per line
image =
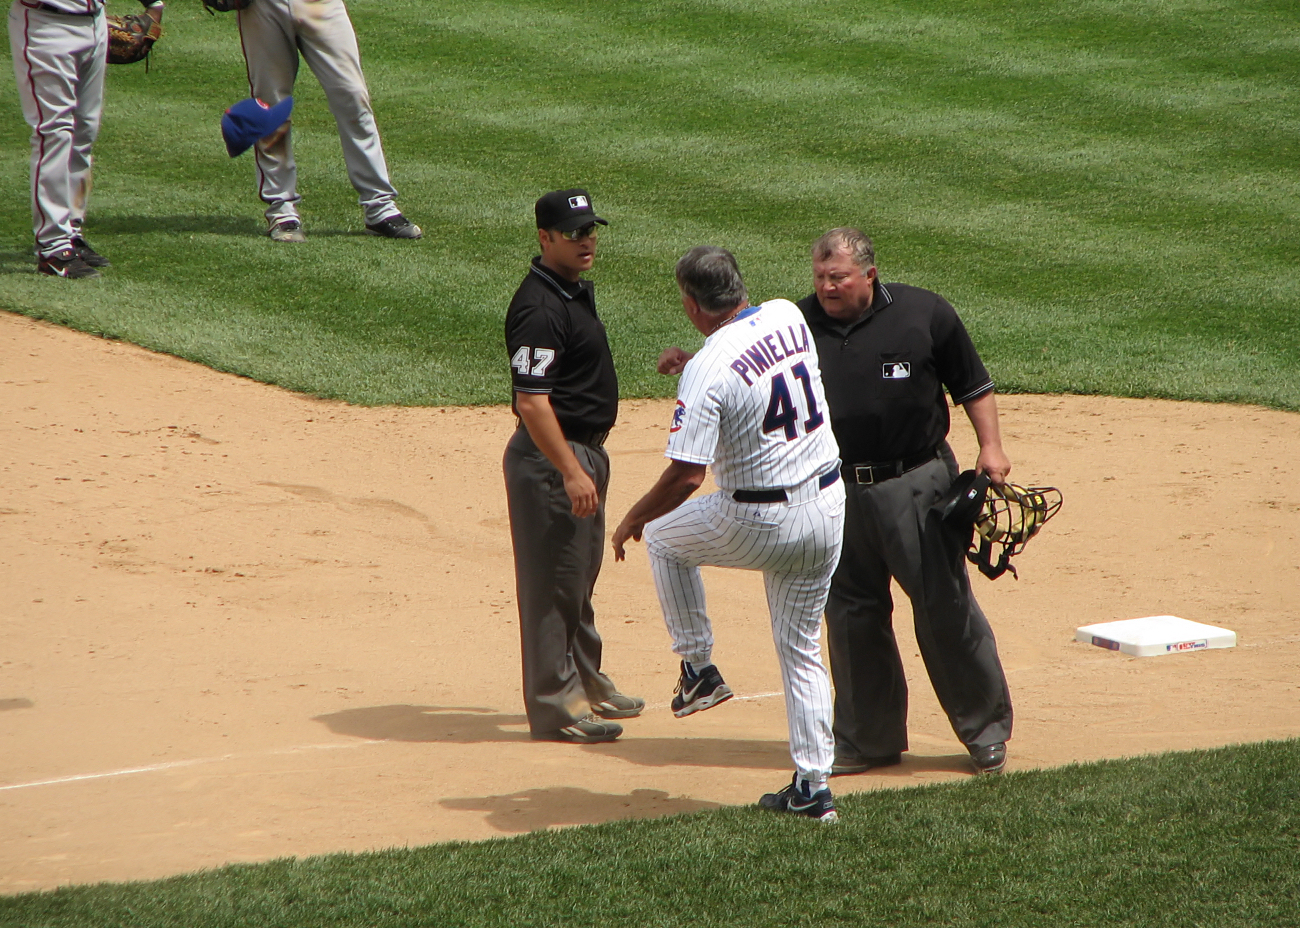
column 885, row 374
column 558, row 346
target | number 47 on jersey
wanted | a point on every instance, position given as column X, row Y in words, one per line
column 533, row 361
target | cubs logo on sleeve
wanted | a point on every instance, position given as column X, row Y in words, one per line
column 679, row 414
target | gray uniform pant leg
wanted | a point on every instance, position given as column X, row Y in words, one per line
column 890, row 530
column 59, row 63
column 557, row 561
column 273, row 32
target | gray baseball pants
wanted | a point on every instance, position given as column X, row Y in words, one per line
column 890, row 531
column 273, row 33
column 59, row 62
column 557, row 561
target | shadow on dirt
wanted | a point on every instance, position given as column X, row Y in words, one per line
column 437, row 724
column 531, row 809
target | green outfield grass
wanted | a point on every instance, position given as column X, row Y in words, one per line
column 1108, row 191
column 1192, row 840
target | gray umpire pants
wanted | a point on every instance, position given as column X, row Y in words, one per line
column 273, row 33
column 557, row 560
column 59, row 62
column 890, row 530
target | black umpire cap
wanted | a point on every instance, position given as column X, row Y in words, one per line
column 566, row 210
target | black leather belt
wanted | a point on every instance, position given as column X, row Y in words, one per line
column 587, row 436
column 780, row 496
column 48, row 8
column 868, row 474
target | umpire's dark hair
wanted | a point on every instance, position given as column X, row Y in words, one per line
column 711, row 277
column 856, row 242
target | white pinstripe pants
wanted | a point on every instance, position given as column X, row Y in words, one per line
column 796, row 544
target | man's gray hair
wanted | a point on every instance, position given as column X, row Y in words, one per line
column 711, row 277
column 856, row 242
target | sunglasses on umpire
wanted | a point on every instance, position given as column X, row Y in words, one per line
column 577, row 235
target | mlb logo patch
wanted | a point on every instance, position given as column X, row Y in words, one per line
column 578, row 202
column 896, row 370
column 679, row 413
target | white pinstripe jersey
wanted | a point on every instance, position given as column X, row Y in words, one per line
column 751, row 403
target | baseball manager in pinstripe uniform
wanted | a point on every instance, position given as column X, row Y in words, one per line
column 888, row 353
column 750, row 404
column 557, row 472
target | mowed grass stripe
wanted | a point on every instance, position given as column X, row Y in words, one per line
column 1105, row 190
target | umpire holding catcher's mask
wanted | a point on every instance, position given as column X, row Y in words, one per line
column 888, row 352
column 557, row 472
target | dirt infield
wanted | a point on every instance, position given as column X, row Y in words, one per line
column 239, row 624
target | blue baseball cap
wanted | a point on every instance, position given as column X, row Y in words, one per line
column 250, row 120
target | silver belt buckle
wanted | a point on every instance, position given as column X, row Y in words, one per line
column 860, row 469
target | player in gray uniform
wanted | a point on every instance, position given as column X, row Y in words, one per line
column 272, row 33
column 60, row 52
column 750, row 404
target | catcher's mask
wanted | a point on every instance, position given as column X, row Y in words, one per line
column 1010, row 516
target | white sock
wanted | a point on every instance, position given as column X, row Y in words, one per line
column 809, row 788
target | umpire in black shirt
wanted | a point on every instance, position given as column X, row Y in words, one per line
column 557, row 472
column 887, row 354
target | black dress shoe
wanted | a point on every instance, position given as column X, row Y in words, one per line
column 989, row 759
column 846, row 764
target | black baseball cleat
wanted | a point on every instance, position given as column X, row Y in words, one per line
column 394, row 227
column 846, row 764
column 820, row 805
column 88, row 254
column 989, row 759
column 619, row 706
column 587, row 730
column 66, row 263
column 697, row 692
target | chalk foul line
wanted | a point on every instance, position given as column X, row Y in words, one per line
column 172, row 765
column 197, row 761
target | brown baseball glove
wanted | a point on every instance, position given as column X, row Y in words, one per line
column 131, row 38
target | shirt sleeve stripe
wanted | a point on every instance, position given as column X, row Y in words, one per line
column 973, row 394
